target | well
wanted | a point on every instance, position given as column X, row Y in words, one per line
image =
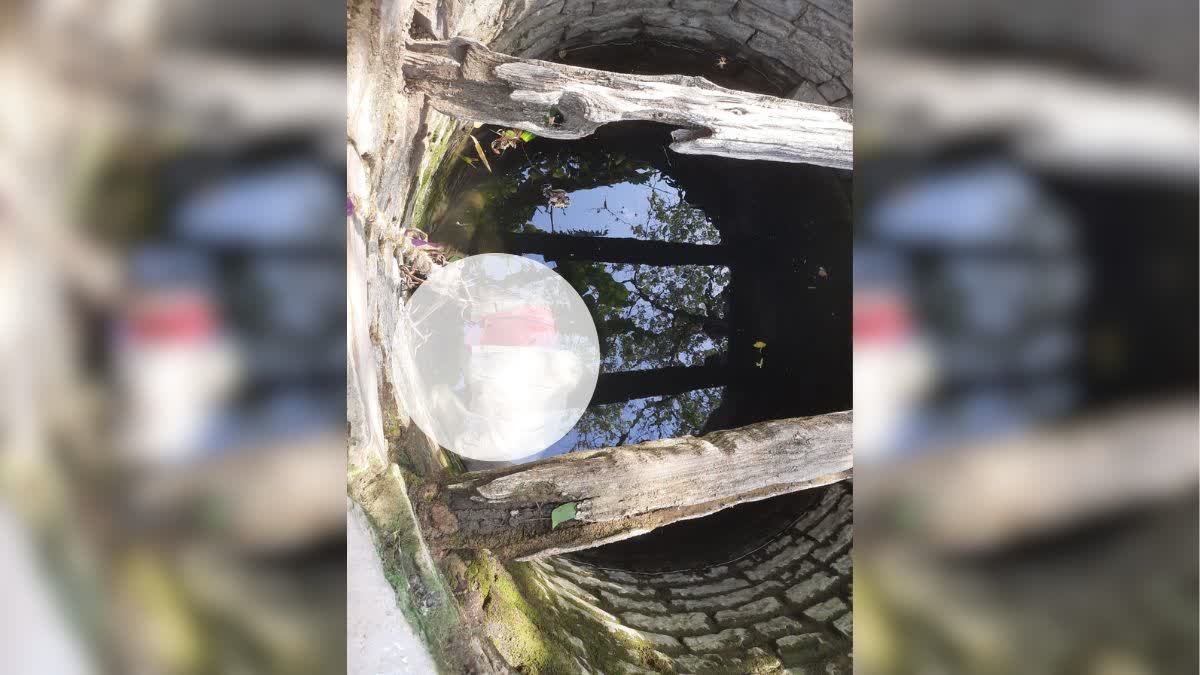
column 777, row 601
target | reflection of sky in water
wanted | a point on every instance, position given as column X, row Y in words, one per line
column 642, row 335
column 616, row 208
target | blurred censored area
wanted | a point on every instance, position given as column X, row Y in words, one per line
column 1026, row 337
column 172, row 350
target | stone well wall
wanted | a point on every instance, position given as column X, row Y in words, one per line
column 783, row 608
column 801, row 44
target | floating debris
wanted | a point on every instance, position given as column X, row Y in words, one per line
column 558, row 199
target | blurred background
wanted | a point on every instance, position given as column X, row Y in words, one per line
column 172, row 336
column 1025, row 336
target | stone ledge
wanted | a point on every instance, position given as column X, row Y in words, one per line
column 829, row 523
column 704, row 6
column 826, row 610
column 845, row 624
column 827, row 29
column 690, row 623
column 839, row 542
column 722, row 26
column 789, row 9
column 603, row 7
column 803, row 593
column 602, row 585
column 780, row 543
column 723, row 586
column 730, row 600
column 835, row 492
column 768, row 568
column 796, row 649
column 663, row 643
column 726, row 640
column 833, row 90
column 596, row 24
column 701, row 665
column 578, row 7
column 778, row 627
column 747, row 614
column 843, row 565
column 687, row 577
column 630, row 605
column 843, row 10
column 761, row 19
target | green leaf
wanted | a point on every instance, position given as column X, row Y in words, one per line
column 527, row 136
column 562, row 514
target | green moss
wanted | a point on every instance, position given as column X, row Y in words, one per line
column 433, row 172
column 421, row 592
column 605, row 648
column 515, row 625
column 530, row 625
column 451, row 463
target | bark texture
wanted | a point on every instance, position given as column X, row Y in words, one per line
column 465, row 79
column 622, row 492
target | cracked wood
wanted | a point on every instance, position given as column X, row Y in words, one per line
column 626, row 491
column 466, row 80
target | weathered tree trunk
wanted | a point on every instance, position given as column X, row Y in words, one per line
column 615, row 249
column 628, row 385
column 465, row 79
column 622, row 492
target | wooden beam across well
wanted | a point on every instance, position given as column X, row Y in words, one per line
column 624, row 250
column 466, row 80
column 628, row 385
column 622, row 492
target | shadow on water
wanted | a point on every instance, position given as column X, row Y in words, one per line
column 720, row 288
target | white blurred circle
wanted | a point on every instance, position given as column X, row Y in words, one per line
column 506, row 356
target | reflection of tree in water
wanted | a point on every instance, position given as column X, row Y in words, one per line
column 507, row 199
column 653, row 317
column 613, row 424
column 656, row 309
column 650, row 317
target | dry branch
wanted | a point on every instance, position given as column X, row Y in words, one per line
column 626, row 491
column 465, row 79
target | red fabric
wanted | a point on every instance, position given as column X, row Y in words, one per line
column 522, row 327
column 176, row 321
column 881, row 320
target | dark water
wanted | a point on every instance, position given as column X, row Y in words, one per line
column 720, row 288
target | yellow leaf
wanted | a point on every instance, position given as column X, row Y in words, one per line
column 482, row 155
column 760, row 344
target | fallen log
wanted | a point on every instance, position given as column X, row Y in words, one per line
column 466, row 80
column 616, row 493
